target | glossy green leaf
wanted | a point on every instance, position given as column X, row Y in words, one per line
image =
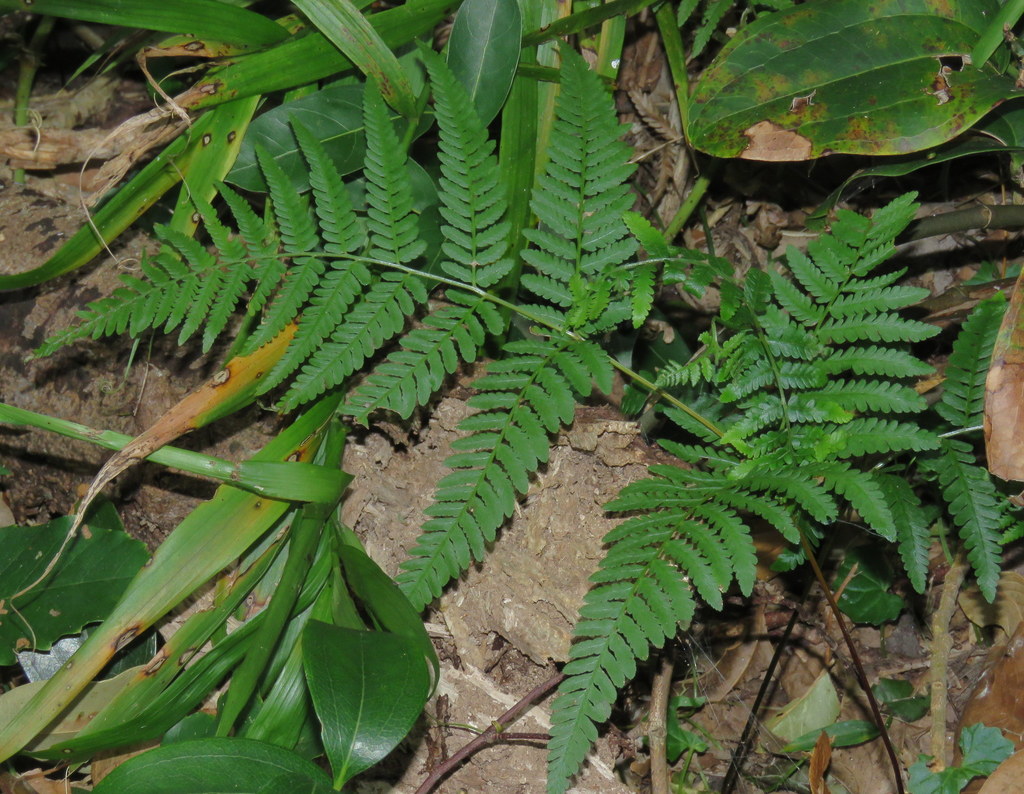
column 346, row 27
column 388, row 605
column 889, row 77
column 84, row 586
column 368, row 689
column 212, row 19
column 202, row 766
column 483, row 51
column 333, row 115
column 866, row 597
column 984, row 748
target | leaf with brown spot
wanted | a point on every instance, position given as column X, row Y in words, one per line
column 887, row 77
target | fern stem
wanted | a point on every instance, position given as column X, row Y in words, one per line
column 858, row 667
column 657, row 731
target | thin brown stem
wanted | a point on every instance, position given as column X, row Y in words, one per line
column 494, row 733
column 862, row 677
column 657, row 730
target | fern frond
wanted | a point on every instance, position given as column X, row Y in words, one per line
column 472, row 197
column 872, row 436
column 260, row 240
column 299, row 239
column 523, row 397
column 976, row 509
column 391, row 222
column 581, row 197
column 912, row 527
column 237, row 275
column 641, row 598
column 382, row 310
column 963, row 391
column 871, row 395
column 864, row 494
column 410, row 376
column 378, row 316
column 874, row 360
column 344, row 279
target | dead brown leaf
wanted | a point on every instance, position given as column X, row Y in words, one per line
column 1007, row 777
column 771, row 143
column 996, row 700
column 821, row 757
column 1007, row 611
column 1004, row 394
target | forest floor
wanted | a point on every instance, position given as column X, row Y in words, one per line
column 504, row 627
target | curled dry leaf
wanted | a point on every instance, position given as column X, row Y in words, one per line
column 996, row 700
column 1007, row 777
column 1004, row 394
column 1007, row 611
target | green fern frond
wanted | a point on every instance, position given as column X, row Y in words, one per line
column 410, row 376
column 912, row 527
column 873, row 436
column 975, row 507
column 874, row 360
column 522, row 399
column 261, row 243
column 963, row 392
column 871, row 395
column 382, row 310
column 378, row 316
column 297, row 230
column 391, row 222
column 642, row 595
column 472, row 196
column 874, row 328
column 344, row 280
column 581, row 197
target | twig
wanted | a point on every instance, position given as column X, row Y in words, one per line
column 657, row 730
column 942, row 644
column 494, row 733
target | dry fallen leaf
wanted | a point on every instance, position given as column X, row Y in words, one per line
column 1007, row 611
column 996, row 699
column 821, row 757
column 1004, row 394
column 1008, row 777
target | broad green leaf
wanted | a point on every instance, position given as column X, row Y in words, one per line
column 866, row 597
column 333, row 115
column 483, row 51
column 897, row 696
column 383, row 599
column 351, row 32
column 983, row 749
column 830, row 76
column 814, row 710
column 202, row 766
column 212, row 19
column 84, row 586
column 368, row 689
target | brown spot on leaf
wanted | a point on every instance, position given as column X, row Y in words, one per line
column 772, row 143
column 801, row 102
